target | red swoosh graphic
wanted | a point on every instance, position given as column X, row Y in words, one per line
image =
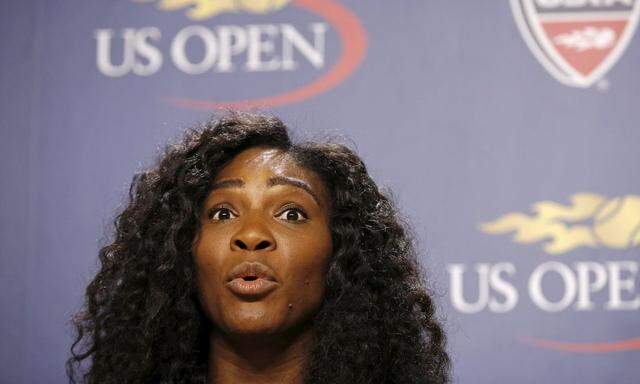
column 603, row 347
column 354, row 45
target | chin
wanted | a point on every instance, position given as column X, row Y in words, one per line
column 252, row 318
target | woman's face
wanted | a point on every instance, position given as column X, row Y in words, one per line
column 264, row 244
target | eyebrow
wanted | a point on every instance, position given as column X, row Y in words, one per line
column 273, row 181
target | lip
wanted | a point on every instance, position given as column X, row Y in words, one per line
column 251, row 269
column 254, row 289
column 251, row 280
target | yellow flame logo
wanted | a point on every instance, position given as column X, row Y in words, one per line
column 590, row 221
column 206, row 9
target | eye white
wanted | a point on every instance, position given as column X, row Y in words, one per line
column 284, row 215
column 216, row 214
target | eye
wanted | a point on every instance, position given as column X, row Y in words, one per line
column 293, row 214
column 221, row 213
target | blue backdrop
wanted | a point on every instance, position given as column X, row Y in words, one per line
column 522, row 117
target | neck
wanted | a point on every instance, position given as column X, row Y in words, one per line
column 259, row 359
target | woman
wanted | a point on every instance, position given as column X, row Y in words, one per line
column 244, row 258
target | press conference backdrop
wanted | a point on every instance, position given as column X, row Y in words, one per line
column 508, row 133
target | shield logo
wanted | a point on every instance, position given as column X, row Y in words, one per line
column 577, row 41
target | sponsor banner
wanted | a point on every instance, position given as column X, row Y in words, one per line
column 555, row 285
column 205, row 48
column 577, row 41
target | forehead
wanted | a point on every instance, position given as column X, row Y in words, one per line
column 260, row 160
column 260, row 163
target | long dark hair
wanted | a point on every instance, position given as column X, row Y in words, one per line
column 142, row 322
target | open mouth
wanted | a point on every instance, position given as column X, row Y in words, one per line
column 251, row 280
column 251, row 271
column 251, row 287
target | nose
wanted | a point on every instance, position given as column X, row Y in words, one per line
column 253, row 237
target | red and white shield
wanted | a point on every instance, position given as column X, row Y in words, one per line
column 577, row 41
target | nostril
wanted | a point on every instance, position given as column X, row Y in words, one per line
column 240, row 244
column 263, row 244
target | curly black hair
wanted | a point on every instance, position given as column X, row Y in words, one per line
column 142, row 321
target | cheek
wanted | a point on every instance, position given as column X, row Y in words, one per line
column 208, row 261
column 308, row 260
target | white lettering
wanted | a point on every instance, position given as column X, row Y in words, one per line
column 233, row 41
column 264, row 47
column 103, row 52
column 618, row 284
column 313, row 53
column 179, row 55
column 503, row 287
column 586, row 286
column 537, row 294
column 134, row 41
column 456, row 288
column 147, row 51
column 489, row 277
column 259, row 46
